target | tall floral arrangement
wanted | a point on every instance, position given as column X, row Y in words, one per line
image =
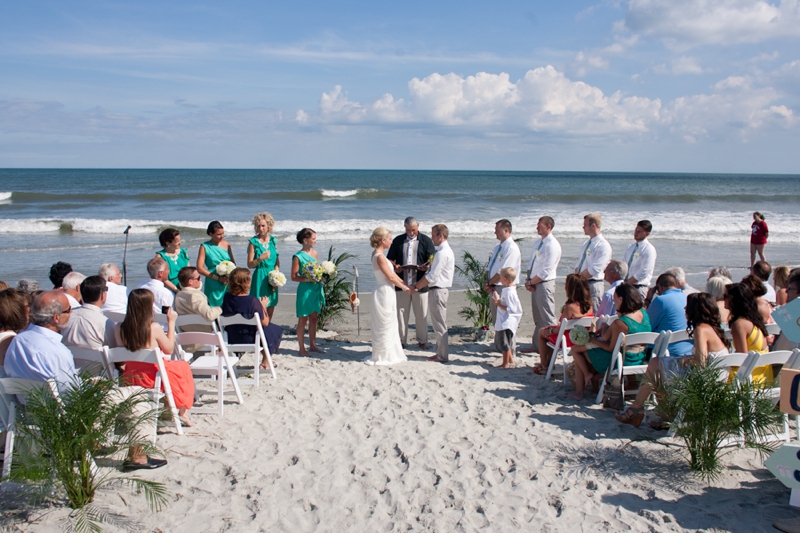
column 337, row 285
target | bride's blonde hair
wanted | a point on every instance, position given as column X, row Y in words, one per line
column 377, row 236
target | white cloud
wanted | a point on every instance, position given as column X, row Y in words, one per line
column 686, row 65
column 682, row 24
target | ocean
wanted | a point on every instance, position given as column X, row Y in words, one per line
column 78, row 216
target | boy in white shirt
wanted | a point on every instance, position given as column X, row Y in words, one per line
column 509, row 313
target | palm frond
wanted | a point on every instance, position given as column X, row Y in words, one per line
column 337, row 291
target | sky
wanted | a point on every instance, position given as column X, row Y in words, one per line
column 636, row 85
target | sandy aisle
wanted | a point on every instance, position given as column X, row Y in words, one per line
column 336, row 445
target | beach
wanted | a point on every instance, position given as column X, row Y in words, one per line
column 336, row 445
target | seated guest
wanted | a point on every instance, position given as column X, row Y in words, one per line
column 719, row 271
column 3, row 285
column 191, row 300
column 117, row 297
column 668, row 312
column 748, row 329
column 591, row 363
column 71, row 285
column 139, row 332
column 762, row 270
column 614, row 274
column 88, row 327
column 28, row 286
column 162, row 296
column 715, row 286
column 705, row 329
column 792, row 291
column 38, row 354
column 13, row 319
column 757, row 288
column 239, row 301
column 57, row 273
column 779, row 278
column 578, row 305
column 680, row 277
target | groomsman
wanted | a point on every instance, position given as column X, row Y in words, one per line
column 541, row 280
column 413, row 249
column 595, row 255
column 640, row 258
column 505, row 254
column 438, row 281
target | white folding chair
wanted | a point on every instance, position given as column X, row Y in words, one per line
column 618, row 360
column 773, row 329
column 560, row 347
column 114, row 316
column 9, row 388
column 194, row 320
column 217, row 366
column 92, row 361
column 255, row 347
column 123, row 355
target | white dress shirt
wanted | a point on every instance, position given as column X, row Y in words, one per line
column 595, row 256
column 545, row 256
column 510, row 317
column 505, row 254
column 770, row 296
column 163, row 296
column 117, row 300
column 443, row 267
column 641, row 260
column 73, row 303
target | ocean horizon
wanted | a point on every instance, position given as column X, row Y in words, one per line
column 79, row 215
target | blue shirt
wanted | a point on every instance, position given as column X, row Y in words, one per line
column 668, row 312
column 37, row 354
column 607, row 303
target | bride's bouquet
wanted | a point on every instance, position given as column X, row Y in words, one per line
column 224, row 268
column 328, row 268
column 313, row 272
column 277, row 279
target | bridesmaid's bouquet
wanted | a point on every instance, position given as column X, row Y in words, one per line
column 328, row 268
column 579, row 335
column 313, row 272
column 224, row 268
column 277, row 279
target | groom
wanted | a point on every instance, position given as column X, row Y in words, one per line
column 409, row 253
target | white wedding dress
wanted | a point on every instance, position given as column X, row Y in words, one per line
column 386, row 346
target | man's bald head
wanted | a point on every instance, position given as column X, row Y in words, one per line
column 51, row 310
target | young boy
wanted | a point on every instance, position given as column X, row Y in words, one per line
column 509, row 313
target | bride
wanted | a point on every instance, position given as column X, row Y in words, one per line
column 386, row 347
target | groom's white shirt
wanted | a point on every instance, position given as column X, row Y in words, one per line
column 443, row 267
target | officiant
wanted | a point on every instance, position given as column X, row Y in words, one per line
column 411, row 254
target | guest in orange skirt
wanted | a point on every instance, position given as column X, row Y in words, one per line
column 139, row 332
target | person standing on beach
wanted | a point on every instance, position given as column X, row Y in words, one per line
column 758, row 237
column 310, row 292
column 175, row 256
column 541, row 279
column 640, row 257
column 212, row 253
column 411, row 254
column 262, row 256
column 595, row 255
column 505, row 254
column 438, row 280
column 509, row 314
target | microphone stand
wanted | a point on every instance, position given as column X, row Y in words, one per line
column 125, row 259
column 358, row 309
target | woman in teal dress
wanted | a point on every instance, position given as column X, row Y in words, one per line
column 310, row 294
column 212, row 253
column 631, row 318
column 262, row 256
column 175, row 256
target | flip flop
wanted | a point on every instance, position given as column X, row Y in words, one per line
column 151, row 464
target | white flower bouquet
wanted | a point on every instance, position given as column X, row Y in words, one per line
column 277, row 279
column 328, row 268
column 579, row 335
column 224, row 268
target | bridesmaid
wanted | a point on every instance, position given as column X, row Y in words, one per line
column 310, row 295
column 212, row 253
column 262, row 256
column 175, row 256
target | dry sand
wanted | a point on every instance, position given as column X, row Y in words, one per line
column 336, row 445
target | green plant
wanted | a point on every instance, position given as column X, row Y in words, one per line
column 709, row 411
column 337, row 291
column 62, row 437
column 477, row 310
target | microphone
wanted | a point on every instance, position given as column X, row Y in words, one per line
column 127, row 230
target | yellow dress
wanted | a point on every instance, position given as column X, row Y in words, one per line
column 762, row 375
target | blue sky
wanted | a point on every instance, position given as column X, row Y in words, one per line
column 636, row 85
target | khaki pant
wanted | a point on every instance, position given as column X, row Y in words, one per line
column 419, row 302
column 543, row 306
column 596, row 290
column 147, row 426
column 437, row 310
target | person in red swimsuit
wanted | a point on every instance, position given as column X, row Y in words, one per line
column 758, row 238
